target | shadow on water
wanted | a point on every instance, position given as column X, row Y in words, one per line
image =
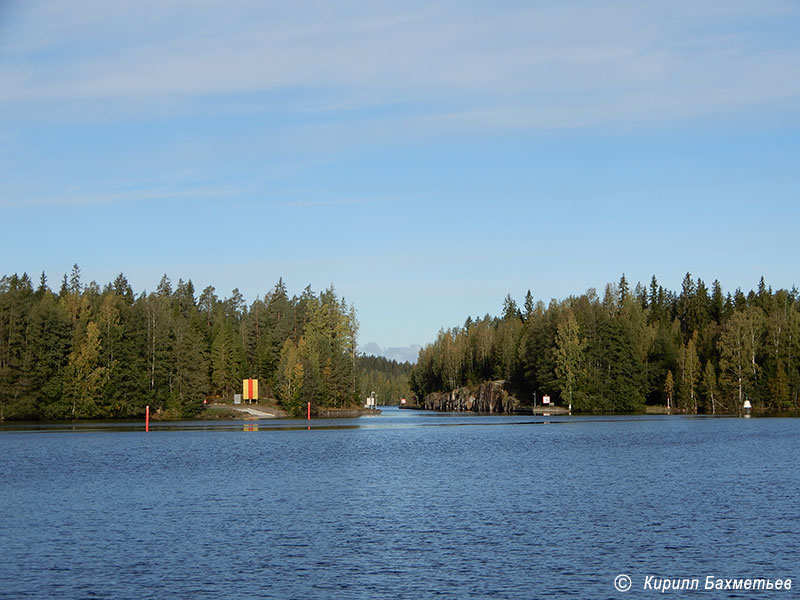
column 389, row 419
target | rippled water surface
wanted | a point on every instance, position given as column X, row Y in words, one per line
column 402, row 505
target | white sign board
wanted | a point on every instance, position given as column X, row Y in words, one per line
column 545, row 399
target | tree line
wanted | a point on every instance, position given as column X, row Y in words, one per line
column 388, row 378
column 91, row 352
column 698, row 350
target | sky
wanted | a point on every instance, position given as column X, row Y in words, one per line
column 424, row 158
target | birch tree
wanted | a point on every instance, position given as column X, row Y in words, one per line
column 738, row 346
column 85, row 375
column 569, row 356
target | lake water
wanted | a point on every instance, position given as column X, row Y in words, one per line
column 402, row 505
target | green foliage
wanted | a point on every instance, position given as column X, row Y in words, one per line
column 290, row 376
column 84, row 376
column 226, row 359
column 669, row 390
column 569, row 356
column 88, row 352
column 689, row 368
column 49, row 344
column 189, row 384
column 387, row 378
column 696, row 351
column 739, row 346
column 710, row 387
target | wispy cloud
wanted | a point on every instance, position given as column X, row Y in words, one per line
column 120, row 195
column 550, row 64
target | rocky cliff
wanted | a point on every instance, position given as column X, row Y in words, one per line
column 490, row 397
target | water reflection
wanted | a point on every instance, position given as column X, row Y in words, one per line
column 390, row 418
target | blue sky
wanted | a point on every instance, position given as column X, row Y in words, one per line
column 425, row 158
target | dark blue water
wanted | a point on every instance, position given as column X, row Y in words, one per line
column 404, row 505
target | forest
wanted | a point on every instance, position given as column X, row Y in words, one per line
column 389, row 379
column 86, row 352
column 695, row 351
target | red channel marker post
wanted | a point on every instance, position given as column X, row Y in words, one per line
column 309, row 415
column 147, row 418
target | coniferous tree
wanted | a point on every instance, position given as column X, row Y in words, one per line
column 226, row 363
column 717, row 304
column 189, row 381
column 105, row 352
column 529, row 306
column 685, row 306
column 16, row 295
column 48, row 346
column 389, row 379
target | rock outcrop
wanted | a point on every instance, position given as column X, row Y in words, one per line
column 490, row 397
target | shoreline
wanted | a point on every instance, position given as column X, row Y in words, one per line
column 256, row 411
column 270, row 411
